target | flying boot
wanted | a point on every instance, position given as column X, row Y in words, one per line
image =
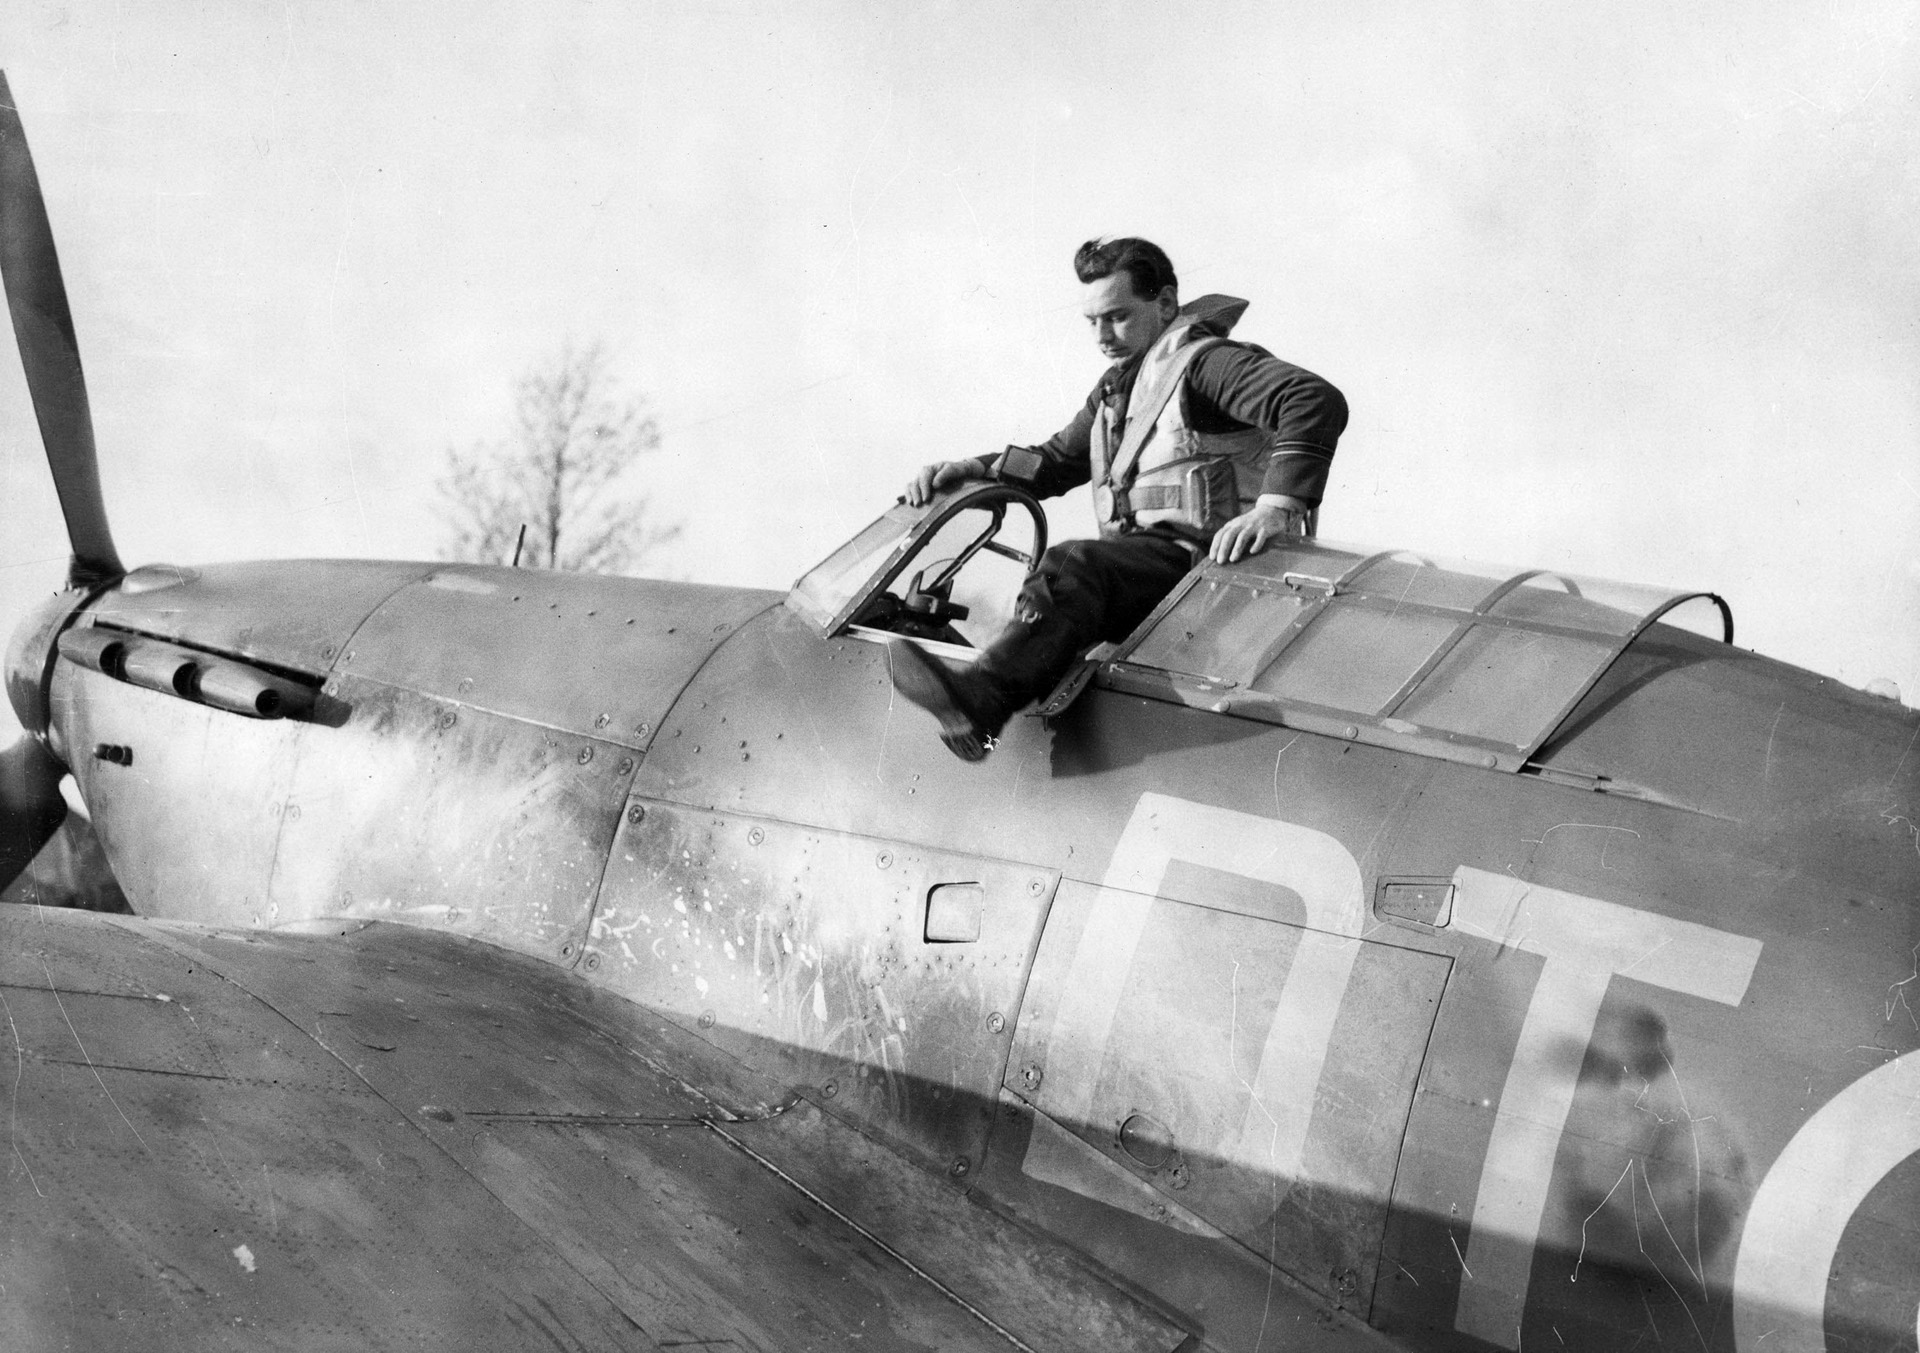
column 973, row 701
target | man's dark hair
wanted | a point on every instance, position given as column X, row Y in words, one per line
column 1146, row 265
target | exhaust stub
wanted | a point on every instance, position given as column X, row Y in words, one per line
column 100, row 650
column 236, row 687
column 247, row 690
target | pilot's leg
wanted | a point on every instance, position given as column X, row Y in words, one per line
column 1083, row 592
column 1103, row 589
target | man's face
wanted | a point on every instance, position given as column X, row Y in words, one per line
column 1125, row 324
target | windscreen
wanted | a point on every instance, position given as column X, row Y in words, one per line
column 986, row 583
column 822, row 593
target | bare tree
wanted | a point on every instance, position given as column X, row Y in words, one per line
column 558, row 473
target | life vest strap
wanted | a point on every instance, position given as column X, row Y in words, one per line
column 1144, row 416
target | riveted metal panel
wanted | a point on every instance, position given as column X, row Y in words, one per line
column 1177, row 1086
column 284, row 1204
column 523, row 1161
column 415, row 810
column 1042, row 1294
column 783, row 723
column 598, row 656
column 188, row 824
column 296, row 613
column 51, row 1023
column 804, row 952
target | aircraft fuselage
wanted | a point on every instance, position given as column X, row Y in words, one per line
column 1482, row 1059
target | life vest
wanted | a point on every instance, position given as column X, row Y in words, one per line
column 1150, row 468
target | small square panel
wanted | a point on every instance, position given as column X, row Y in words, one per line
column 1423, row 901
column 953, row 912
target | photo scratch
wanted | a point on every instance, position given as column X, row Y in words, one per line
column 1581, row 1257
column 1457, row 1255
column 19, row 1074
column 1897, row 993
column 1684, row 1307
column 1276, row 770
column 1593, row 826
column 89, row 1059
column 1766, row 776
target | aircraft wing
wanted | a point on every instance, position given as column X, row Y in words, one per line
column 381, row 1137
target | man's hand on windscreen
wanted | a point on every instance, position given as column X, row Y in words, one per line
column 940, row 475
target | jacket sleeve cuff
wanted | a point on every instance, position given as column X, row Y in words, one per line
column 1298, row 470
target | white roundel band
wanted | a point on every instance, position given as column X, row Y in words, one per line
column 1802, row 1207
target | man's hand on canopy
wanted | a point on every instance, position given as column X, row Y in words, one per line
column 940, row 475
column 1253, row 530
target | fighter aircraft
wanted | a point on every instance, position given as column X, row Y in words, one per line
column 1373, row 951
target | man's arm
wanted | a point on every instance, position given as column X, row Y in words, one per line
column 1064, row 462
column 1238, row 385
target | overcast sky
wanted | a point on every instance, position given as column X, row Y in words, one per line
column 1629, row 290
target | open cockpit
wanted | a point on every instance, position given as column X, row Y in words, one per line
column 1456, row 660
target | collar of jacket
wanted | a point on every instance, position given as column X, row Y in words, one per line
column 1211, row 315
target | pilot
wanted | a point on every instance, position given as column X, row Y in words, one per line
column 1195, row 444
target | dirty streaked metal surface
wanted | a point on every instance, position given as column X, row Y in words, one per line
column 457, row 818
column 807, row 953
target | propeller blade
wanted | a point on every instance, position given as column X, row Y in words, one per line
column 31, row 808
column 43, row 326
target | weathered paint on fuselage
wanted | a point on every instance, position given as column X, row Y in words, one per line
column 475, row 739
column 1601, row 1101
